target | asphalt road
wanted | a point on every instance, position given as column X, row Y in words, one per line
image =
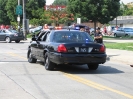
column 22, row 80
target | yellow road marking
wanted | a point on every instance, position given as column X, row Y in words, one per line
column 13, row 54
column 87, row 82
column 96, row 85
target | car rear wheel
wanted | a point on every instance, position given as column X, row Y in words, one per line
column 30, row 58
column 115, row 35
column 47, row 63
column 93, row 66
column 126, row 35
column 17, row 41
column 8, row 39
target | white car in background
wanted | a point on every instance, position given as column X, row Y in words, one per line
column 123, row 31
column 33, row 30
column 92, row 30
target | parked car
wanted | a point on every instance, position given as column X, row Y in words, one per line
column 36, row 29
column 10, row 35
column 127, row 31
column 92, row 30
column 66, row 47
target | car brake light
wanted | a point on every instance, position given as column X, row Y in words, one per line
column 61, row 48
column 15, row 34
column 102, row 48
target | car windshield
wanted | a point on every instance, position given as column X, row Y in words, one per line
column 72, row 36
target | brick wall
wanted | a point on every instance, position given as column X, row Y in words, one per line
column 91, row 24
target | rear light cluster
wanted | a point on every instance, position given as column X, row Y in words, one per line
column 61, row 48
column 15, row 34
column 102, row 49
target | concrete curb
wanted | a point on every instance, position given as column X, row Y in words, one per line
column 122, row 56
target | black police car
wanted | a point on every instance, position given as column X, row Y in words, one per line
column 66, row 47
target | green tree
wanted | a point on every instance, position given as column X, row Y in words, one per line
column 101, row 11
column 129, row 11
column 3, row 13
column 60, row 2
column 11, row 9
column 34, row 10
column 123, row 9
column 126, row 10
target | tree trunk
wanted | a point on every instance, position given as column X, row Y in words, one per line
column 95, row 26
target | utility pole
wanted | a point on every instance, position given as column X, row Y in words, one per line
column 18, row 18
column 116, row 21
column 24, row 21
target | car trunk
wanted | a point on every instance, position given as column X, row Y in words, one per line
column 82, row 48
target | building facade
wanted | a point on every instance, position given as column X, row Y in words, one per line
column 122, row 21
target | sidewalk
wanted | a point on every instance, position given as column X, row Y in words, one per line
column 119, row 41
column 122, row 56
column 117, row 55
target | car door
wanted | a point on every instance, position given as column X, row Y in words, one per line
column 122, row 33
column 34, row 45
column 118, row 32
column 42, row 46
column 2, row 35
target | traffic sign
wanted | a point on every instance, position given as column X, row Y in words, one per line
column 19, row 10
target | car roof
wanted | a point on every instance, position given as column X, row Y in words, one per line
column 65, row 30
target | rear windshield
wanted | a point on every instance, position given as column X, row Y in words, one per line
column 72, row 36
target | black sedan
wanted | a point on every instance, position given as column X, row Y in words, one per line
column 66, row 47
column 9, row 35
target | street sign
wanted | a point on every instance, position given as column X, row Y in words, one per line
column 18, row 19
column 19, row 10
column 79, row 20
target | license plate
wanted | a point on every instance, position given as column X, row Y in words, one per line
column 83, row 50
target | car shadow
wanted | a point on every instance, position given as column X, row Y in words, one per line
column 83, row 69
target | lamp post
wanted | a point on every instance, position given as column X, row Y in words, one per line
column 24, row 21
column 18, row 18
column 116, row 21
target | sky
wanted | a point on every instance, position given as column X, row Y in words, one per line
column 49, row 2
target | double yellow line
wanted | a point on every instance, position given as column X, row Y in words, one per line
column 95, row 85
column 87, row 82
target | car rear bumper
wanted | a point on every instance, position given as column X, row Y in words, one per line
column 59, row 58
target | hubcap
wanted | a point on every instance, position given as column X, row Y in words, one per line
column 30, row 56
column 8, row 39
column 46, row 62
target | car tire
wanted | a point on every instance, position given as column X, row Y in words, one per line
column 17, row 41
column 8, row 39
column 126, row 35
column 30, row 58
column 93, row 66
column 115, row 35
column 47, row 63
